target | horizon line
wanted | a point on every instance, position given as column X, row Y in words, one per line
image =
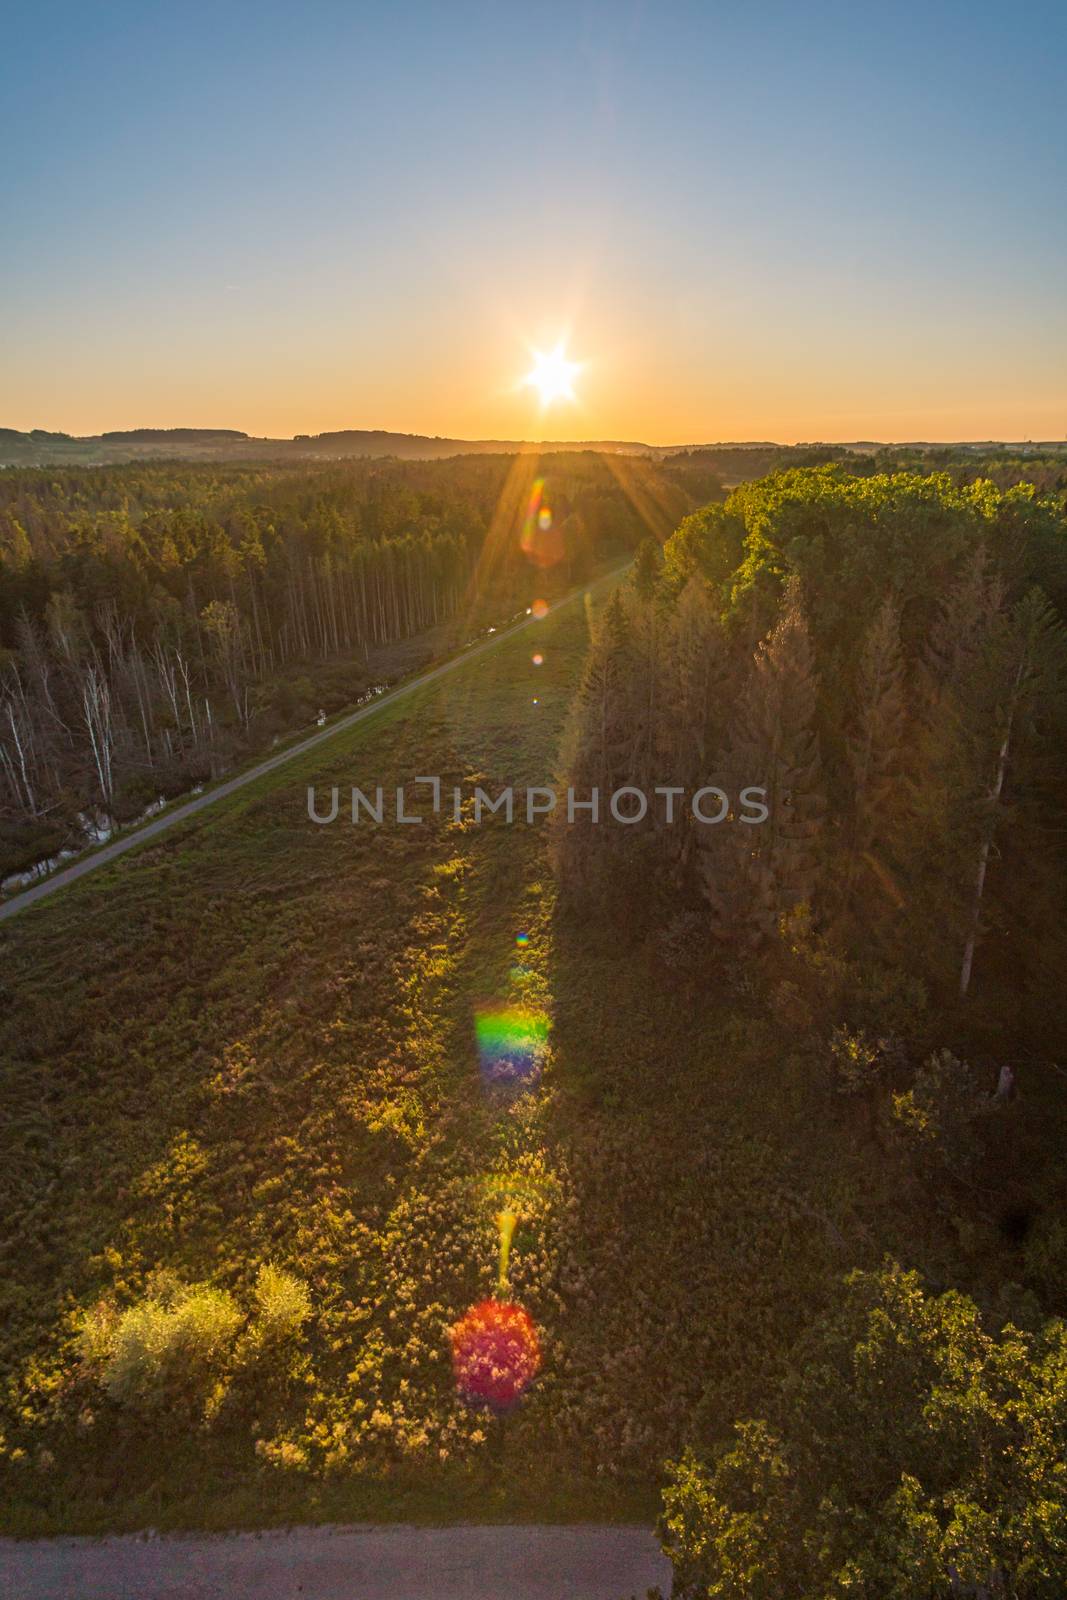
column 237, row 436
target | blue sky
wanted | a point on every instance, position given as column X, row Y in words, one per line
column 747, row 220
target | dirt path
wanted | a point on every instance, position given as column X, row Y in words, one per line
column 338, row 1563
column 182, row 813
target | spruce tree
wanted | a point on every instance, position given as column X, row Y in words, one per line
column 1020, row 665
column 756, row 872
column 874, row 739
column 697, row 690
column 935, row 838
column 650, row 706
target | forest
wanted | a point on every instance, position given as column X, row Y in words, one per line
column 886, row 657
column 158, row 623
column 786, row 1181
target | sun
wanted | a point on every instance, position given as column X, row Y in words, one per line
column 552, row 375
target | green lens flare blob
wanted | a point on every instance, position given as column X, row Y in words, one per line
column 511, row 1044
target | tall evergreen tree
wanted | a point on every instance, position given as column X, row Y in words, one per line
column 759, row 871
column 1020, row 664
column 874, row 739
column 934, row 836
column 697, row 691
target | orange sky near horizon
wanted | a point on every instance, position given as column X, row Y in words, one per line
column 732, row 359
column 653, row 387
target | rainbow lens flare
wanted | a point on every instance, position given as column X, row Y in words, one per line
column 522, row 940
column 541, row 539
column 511, row 1043
column 496, row 1354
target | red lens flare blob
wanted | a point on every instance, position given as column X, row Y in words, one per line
column 538, row 659
column 496, row 1355
column 539, row 609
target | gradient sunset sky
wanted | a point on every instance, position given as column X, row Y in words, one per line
column 748, row 221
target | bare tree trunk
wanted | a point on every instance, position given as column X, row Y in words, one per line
column 23, row 758
column 96, row 704
column 987, row 841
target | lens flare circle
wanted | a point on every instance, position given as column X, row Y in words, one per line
column 496, row 1354
column 511, row 1044
column 541, row 539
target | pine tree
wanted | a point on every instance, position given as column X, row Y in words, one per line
column 646, row 569
column 988, row 672
column 697, row 674
column 1021, row 663
column 650, row 705
column 962, row 621
column 873, row 740
column 935, row 837
column 756, row 872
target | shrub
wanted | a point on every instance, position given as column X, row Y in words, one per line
column 134, row 795
column 936, row 1119
column 857, row 1061
column 911, row 1453
column 283, row 1305
column 23, row 845
column 164, row 1352
column 96, row 1336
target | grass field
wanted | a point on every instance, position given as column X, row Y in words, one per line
column 255, row 1042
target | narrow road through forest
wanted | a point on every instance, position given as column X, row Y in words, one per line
column 182, row 813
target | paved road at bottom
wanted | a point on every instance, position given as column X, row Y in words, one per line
column 169, row 819
column 342, row 1563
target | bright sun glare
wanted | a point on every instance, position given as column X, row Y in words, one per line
column 552, row 375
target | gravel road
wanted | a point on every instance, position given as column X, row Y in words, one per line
column 342, row 1563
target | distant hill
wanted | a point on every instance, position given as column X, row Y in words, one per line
column 163, row 435
column 37, row 448
column 738, row 458
column 420, row 447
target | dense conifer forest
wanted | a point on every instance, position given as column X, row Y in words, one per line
column 884, row 658
column 159, row 621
